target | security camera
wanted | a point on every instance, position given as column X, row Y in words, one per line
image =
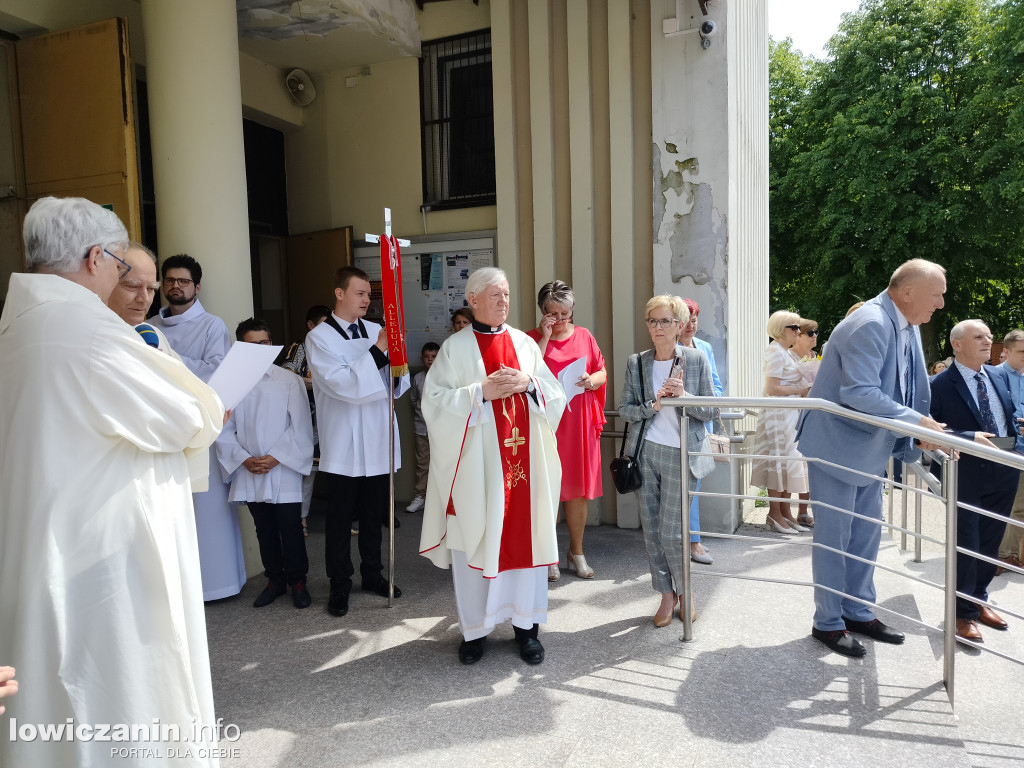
column 707, row 28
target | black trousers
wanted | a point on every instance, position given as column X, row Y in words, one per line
column 992, row 487
column 282, row 545
column 354, row 498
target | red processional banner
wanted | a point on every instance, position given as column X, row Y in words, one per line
column 394, row 316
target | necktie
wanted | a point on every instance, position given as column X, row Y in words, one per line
column 353, row 331
column 908, row 374
column 988, row 421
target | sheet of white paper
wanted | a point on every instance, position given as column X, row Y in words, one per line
column 568, row 377
column 241, row 369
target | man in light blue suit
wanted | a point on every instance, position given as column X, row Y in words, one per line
column 875, row 365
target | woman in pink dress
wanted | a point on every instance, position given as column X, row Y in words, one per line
column 579, row 432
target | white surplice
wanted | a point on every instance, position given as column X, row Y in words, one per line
column 351, row 402
column 202, row 341
column 101, row 608
column 273, row 419
column 199, row 338
column 465, row 464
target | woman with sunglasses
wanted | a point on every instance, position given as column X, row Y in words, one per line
column 803, row 348
column 668, row 370
column 783, row 472
column 563, row 343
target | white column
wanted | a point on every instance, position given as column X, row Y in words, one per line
column 195, row 111
column 542, row 146
column 195, row 116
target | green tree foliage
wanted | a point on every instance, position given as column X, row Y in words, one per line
column 887, row 151
column 997, row 117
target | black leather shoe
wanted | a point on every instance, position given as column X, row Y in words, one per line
column 338, row 604
column 471, row 651
column 398, row 523
column 840, row 641
column 530, row 649
column 300, row 595
column 876, row 630
column 270, row 593
column 380, row 588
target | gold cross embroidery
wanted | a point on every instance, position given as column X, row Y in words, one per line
column 515, row 441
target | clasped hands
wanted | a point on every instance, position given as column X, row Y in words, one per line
column 671, row 388
column 260, row 465
column 505, row 382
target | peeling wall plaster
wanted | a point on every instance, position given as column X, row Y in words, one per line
column 698, row 238
column 687, row 221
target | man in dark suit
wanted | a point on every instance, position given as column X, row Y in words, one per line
column 973, row 400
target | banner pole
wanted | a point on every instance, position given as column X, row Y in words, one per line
column 391, row 493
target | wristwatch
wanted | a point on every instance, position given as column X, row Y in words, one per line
column 531, row 388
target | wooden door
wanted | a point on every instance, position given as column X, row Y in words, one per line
column 312, row 259
column 75, row 93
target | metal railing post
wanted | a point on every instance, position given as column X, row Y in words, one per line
column 684, row 512
column 903, row 509
column 888, row 482
column 917, row 518
column 950, row 469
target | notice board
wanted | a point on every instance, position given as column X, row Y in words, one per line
column 434, row 275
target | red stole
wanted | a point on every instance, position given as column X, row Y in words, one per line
column 512, row 419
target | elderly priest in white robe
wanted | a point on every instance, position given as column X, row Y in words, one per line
column 491, row 407
column 101, row 610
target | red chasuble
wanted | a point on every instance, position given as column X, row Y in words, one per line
column 512, row 418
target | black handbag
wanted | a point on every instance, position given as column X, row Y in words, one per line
column 625, row 469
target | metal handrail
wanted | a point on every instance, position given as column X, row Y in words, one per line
column 950, row 461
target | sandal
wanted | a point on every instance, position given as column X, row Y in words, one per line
column 805, row 520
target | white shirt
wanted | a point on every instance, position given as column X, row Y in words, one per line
column 664, row 427
column 995, row 404
column 273, row 419
column 351, row 402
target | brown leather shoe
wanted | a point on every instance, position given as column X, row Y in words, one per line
column 968, row 630
column 1013, row 560
column 990, row 618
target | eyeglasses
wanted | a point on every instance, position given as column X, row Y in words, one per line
column 660, row 322
column 558, row 317
column 123, row 270
column 793, row 328
column 183, row 282
column 812, row 333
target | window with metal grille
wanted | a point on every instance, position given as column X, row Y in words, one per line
column 457, row 116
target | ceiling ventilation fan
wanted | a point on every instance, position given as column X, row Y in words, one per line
column 300, row 86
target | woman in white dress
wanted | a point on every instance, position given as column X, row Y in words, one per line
column 785, row 472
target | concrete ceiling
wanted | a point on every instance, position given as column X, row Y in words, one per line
column 326, row 35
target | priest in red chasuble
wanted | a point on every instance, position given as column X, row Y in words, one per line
column 491, row 407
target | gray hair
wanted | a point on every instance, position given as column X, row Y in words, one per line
column 133, row 246
column 484, row 278
column 957, row 331
column 59, row 231
column 556, row 292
